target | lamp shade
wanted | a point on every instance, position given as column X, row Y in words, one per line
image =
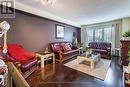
column 5, row 27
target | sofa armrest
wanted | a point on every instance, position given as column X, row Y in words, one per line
column 57, row 52
column 18, row 66
column 109, row 49
column 74, row 47
column 87, row 47
column 59, row 55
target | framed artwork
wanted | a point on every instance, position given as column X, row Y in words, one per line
column 59, row 31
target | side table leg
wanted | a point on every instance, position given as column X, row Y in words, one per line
column 92, row 65
column 77, row 60
column 42, row 62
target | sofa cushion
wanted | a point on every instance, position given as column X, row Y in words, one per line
column 25, row 65
column 93, row 45
column 100, row 50
column 103, row 46
column 29, row 55
column 66, row 47
column 56, row 47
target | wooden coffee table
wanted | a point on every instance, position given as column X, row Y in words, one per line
column 92, row 59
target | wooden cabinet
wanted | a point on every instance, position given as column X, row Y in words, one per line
column 124, row 51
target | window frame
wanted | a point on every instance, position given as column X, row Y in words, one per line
column 103, row 34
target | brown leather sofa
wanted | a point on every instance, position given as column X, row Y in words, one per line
column 64, row 50
column 101, row 47
column 25, row 67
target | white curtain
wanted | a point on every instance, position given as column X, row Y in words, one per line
column 115, row 37
column 83, row 37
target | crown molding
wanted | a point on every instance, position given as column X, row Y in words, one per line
column 102, row 23
column 35, row 11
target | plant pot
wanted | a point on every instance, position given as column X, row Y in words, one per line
column 125, row 38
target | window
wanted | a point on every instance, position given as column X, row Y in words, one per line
column 107, row 34
column 90, row 35
column 99, row 34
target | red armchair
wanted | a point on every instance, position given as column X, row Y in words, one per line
column 26, row 62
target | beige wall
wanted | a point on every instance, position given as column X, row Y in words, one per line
column 125, row 24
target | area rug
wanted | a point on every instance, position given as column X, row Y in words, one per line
column 99, row 71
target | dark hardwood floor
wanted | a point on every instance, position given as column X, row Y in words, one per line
column 59, row 75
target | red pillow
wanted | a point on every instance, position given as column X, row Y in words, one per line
column 66, row 47
column 17, row 52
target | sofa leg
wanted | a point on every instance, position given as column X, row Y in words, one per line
column 61, row 61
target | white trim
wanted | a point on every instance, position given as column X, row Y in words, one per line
column 35, row 11
column 102, row 24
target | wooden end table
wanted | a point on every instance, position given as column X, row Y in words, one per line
column 90, row 59
column 44, row 57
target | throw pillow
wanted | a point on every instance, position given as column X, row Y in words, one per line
column 66, row 47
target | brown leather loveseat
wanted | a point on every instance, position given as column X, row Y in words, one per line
column 103, row 48
column 64, row 50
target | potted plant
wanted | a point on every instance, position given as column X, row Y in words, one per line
column 88, row 52
column 126, row 35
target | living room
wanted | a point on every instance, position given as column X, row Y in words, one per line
column 55, row 43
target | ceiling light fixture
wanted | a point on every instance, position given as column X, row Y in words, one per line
column 48, row 2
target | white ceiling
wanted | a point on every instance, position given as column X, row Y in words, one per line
column 80, row 12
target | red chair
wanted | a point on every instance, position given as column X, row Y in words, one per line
column 26, row 62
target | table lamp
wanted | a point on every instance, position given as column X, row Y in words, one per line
column 5, row 27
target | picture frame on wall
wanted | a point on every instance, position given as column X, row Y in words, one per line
column 59, row 31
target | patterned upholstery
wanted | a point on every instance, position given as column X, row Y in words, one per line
column 101, row 47
column 104, row 45
column 93, row 45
